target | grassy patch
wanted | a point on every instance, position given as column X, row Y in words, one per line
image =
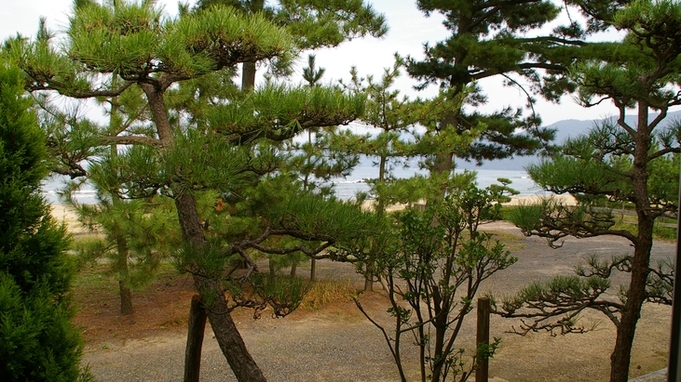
column 326, row 292
column 659, row 232
column 511, row 242
column 97, row 278
column 664, row 233
column 507, row 212
column 93, row 278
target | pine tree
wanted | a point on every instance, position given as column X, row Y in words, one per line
column 634, row 164
column 136, row 234
column 393, row 117
column 38, row 341
column 315, row 161
column 487, row 41
column 224, row 152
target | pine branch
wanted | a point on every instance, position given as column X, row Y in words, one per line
column 554, row 39
column 63, row 89
column 131, row 140
column 564, row 221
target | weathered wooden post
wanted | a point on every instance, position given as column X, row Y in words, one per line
column 482, row 338
column 197, row 327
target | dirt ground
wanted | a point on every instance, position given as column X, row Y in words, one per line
column 334, row 342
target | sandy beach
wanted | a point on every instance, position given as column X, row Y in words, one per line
column 520, row 200
column 68, row 216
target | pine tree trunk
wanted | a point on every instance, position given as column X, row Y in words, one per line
column 248, row 75
column 121, row 242
column 443, row 164
column 233, row 348
column 123, row 275
column 232, row 345
column 126, row 298
column 620, row 359
column 294, row 268
column 227, row 335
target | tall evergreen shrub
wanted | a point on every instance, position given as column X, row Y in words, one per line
column 38, row 342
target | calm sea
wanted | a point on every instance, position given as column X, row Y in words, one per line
column 345, row 188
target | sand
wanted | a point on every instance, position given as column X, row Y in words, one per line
column 68, row 216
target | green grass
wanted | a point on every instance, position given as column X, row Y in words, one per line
column 96, row 278
column 511, row 242
column 659, row 232
column 93, row 279
column 506, row 212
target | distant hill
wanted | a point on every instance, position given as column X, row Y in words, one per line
column 569, row 128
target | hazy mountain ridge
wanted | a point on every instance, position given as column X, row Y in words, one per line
column 568, row 128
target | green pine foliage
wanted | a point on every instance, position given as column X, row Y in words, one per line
column 37, row 339
column 314, row 23
column 394, row 117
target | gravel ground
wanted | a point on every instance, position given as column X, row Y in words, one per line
column 340, row 345
column 320, row 351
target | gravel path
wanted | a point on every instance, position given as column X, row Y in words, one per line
column 313, row 349
column 340, row 345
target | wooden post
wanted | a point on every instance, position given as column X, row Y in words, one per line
column 313, row 269
column 674, row 363
column 196, row 329
column 482, row 371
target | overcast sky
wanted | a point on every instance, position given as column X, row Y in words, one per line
column 409, row 29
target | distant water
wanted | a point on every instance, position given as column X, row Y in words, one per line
column 345, row 188
column 348, row 187
column 52, row 185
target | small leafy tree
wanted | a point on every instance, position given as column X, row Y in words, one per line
column 433, row 267
column 38, row 341
column 632, row 163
